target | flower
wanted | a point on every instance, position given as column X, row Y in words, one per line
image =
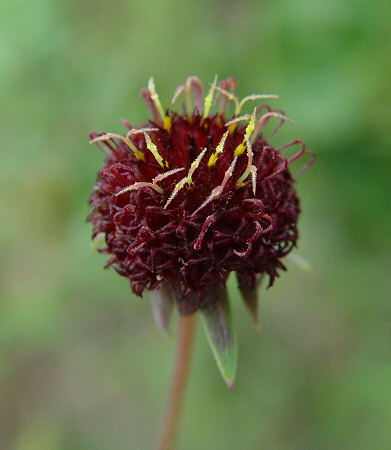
column 187, row 198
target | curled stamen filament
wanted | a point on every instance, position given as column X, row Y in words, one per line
column 263, row 121
column 192, row 84
column 303, row 151
column 229, row 95
column 152, row 184
column 280, row 168
column 252, row 97
column 210, row 220
column 229, row 83
column 138, row 154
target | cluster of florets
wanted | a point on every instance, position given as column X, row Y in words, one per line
column 185, row 199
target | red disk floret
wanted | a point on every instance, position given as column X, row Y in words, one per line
column 193, row 241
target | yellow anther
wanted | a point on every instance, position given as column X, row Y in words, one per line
column 212, row 160
column 232, row 128
column 155, row 97
column 188, row 179
column 167, row 123
column 247, row 134
column 219, row 149
column 219, row 121
column 240, row 149
column 137, row 153
column 154, row 150
column 250, row 169
column 209, row 98
column 251, row 125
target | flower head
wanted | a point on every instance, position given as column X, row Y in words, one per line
column 187, row 198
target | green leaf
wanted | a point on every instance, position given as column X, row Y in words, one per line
column 221, row 335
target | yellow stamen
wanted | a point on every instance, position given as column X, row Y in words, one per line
column 250, row 127
column 250, row 169
column 209, row 98
column 194, row 165
column 253, row 97
column 240, row 149
column 247, row 134
column 188, row 179
column 217, row 191
column 237, row 120
column 140, row 130
column 155, row 97
column 137, row 153
column 167, row 124
column 139, row 185
column 219, row 149
column 152, row 185
column 161, row 176
column 232, row 128
column 230, row 95
column 154, row 150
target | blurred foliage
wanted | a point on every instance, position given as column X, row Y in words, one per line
column 81, row 364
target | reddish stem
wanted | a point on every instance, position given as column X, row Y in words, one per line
column 179, row 382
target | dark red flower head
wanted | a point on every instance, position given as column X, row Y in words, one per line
column 185, row 199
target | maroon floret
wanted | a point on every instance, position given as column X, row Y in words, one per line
column 188, row 242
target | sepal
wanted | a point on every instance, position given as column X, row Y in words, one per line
column 162, row 306
column 220, row 332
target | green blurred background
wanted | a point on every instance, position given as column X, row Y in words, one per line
column 82, row 365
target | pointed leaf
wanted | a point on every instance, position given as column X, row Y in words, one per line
column 219, row 330
column 162, row 305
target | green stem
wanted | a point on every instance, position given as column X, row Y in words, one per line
column 179, row 382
